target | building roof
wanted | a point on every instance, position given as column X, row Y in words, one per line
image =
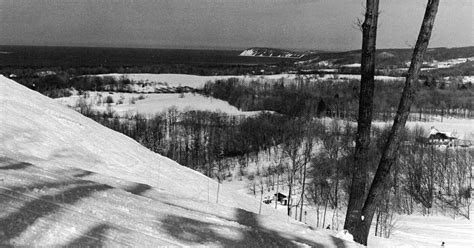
column 435, row 133
column 280, row 195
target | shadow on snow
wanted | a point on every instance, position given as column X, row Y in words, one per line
column 95, row 237
column 17, row 222
column 250, row 232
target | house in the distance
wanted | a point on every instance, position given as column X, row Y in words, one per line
column 437, row 137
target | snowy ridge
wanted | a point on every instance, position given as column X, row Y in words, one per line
column 270, row 52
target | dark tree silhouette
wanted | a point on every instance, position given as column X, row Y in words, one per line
column 362, row 225
column 364, row 122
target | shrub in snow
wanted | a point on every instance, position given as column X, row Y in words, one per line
column 109, row 100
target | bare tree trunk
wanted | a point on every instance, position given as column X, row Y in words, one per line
column 218, row 188
column 302, row 192
column 276, row 198
column 261, row 198
column 325, row 210
column 317, row 215
column 307, row 159
column 288, row 205
column 296, row 211
column 364, row 122
column 377, row 223
column 391, row 146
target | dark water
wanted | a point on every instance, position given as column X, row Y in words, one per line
column 29, row 56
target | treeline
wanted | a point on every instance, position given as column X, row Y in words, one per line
column 340, row 99
column 200, row 140
column 58, row 85
column 179, row 68
column 65, row 76
column 301, row 98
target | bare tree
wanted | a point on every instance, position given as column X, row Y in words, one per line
column 364, row 122
column 392, row 144
column 307, row 156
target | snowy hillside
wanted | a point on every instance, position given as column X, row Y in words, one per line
column 66, row 180
column 270, row 52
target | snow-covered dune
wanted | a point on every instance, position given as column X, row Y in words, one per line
column 68, row 181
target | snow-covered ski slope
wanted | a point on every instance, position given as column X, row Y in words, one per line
column 66, row 180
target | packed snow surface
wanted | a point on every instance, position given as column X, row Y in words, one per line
column 68, row 181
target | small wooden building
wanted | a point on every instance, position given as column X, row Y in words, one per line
column 283, row 199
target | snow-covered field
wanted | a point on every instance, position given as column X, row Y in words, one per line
column 460, row 79
column 68, row 181
column 356, row 77
column 177, row 80
column 153, row 103
column 449, row 63
column 196, row 82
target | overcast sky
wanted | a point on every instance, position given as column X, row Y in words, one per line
column 302, row 24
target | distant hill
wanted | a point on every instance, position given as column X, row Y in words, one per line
column 386, row 57
column 271, row 52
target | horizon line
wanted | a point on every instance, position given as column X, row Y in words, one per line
column 216, row 47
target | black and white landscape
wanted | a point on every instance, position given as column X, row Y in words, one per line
column 152, row 123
